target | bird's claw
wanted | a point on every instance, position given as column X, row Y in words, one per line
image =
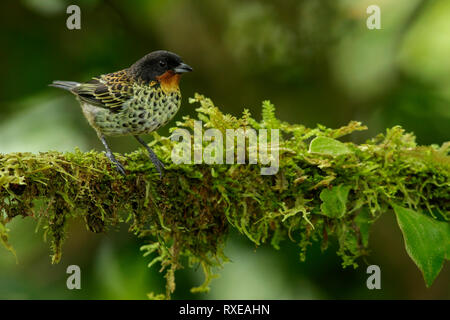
column 158, row 164
column 153, row 157
column 119, row 166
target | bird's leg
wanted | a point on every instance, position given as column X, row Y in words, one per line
column 156, row 162
column 109, row 154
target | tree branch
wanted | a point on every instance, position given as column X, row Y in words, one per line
column 323, row 188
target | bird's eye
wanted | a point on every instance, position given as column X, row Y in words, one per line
column 162, row 63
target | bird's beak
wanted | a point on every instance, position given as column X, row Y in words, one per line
column 182, row 68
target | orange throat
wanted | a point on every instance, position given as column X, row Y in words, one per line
column 169, row 81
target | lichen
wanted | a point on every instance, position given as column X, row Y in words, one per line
column 318, row 192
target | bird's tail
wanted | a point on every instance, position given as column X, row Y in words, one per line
column 66, row 85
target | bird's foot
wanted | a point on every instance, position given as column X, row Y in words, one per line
column 119, row 166
column 156, row 162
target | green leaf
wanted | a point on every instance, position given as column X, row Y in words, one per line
column 4, row 240
column 363, row 221
column 427, row 241
column 334, row 201
column 328, row 146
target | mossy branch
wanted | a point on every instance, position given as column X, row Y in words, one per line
column 323, row 188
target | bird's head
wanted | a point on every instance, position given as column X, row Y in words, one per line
column 162, row 66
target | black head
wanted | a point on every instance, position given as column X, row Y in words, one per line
column 156, row 64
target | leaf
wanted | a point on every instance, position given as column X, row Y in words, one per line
column 328, row 146
column 334, row 201
column 4, row 240
column 427, row 241
column 363, row 221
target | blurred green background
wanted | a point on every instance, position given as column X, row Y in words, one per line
column 315, row 60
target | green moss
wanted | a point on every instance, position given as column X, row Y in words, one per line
column 190, row 211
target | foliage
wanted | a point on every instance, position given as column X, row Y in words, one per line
column 324, row 188
column 426, row 240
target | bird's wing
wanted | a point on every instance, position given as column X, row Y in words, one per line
column 107, row 91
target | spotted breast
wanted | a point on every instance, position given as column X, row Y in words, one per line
column 134, row 107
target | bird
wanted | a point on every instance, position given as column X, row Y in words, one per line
column 134, row 101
